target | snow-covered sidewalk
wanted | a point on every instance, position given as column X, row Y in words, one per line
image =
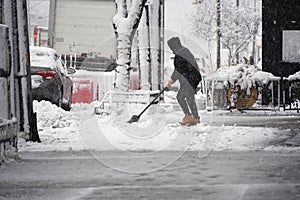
column 80, row 129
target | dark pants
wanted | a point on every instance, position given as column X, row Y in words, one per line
column 186, row 100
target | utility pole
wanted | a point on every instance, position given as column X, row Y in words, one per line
column 15, row 93
column 237, row 7
column 1, row 11
column 30, row 117
column 218, row 34
column 254, row 38
column 161, row 47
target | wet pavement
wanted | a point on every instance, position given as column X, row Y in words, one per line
column 211, row 175
column 257, row 175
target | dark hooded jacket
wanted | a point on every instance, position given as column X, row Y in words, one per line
column 186, row 68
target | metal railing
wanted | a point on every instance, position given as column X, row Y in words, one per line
column 291, row 95
column 217, row 95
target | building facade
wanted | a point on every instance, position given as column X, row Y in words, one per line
column 281, row 37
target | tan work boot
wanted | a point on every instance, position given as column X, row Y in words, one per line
column 186, row 120
column 193, row 121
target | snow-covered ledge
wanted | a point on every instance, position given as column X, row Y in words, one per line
column 244, row 75
column 293, row 77
column 114, row 99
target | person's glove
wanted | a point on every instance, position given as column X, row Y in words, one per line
column 170, row 82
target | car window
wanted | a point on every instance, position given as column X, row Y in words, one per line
column 63, row 66
column 60, row 65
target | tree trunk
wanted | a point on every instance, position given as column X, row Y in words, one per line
column 254, row 40
column 123, row 62
column 237, row 55
column 229, row 57
column 125, row 23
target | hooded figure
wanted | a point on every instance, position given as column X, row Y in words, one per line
column 187, row 73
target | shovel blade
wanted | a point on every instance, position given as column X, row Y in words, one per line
column 134, row 118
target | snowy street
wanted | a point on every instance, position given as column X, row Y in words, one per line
column 220, row 175
column 149, row 99
column 157, row 130
column 87, row 156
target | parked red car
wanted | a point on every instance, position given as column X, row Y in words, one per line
column 50, row 78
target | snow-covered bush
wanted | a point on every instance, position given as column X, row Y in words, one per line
column 242, row 83
column 243, row 75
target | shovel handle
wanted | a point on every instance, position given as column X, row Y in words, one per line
column 152, row 101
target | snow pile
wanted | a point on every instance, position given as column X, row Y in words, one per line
column 57, row 130
column 155, row 134
column 243, row 75
column 49, row 115
column 232, row 138
column 148, row 135
column 157, row 130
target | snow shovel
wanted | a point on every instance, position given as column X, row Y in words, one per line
column 135, row 118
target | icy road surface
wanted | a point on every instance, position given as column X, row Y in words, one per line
column 230, row 156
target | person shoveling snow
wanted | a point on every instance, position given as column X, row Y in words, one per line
column 187, row 73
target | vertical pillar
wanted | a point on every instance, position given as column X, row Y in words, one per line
column 161, row 45
column 1, row 11
column 30, row 121
column 14, row 83
column 144, row 51
column 154, row 41
column 254, row 39
column 218, row 33
column 4, row 72
column 51, row 33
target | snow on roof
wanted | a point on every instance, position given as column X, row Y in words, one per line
column 92, row 74
column 42, row 49
column 243, row 75
column 42, row 27
column 42, row 57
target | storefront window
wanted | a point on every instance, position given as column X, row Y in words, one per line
column 291, row 46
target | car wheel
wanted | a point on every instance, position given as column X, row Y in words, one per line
column 68, row 106
column 59, row 99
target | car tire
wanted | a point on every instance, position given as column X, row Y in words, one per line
column 59, row 99
column 68, row 106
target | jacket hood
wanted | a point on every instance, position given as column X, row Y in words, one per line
column 174, row 44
